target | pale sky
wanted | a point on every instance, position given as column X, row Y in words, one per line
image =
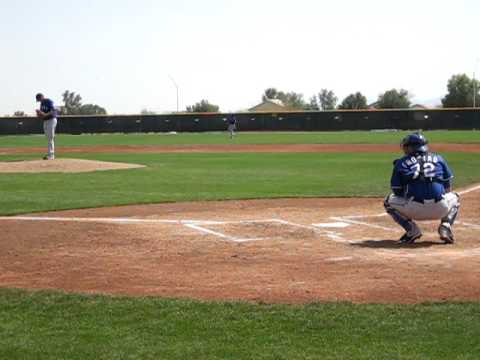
column 120, row 54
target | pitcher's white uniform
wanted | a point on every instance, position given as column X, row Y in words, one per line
column 48, row 114
column 49, row 127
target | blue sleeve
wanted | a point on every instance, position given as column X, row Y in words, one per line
column 396, row 180
column 406, row 170
column 447, row 173
column 49, row 105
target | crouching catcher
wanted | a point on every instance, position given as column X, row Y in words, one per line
column 421, row 185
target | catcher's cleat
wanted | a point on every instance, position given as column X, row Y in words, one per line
column 46, row 157
column 410, row 236
column 446, row 234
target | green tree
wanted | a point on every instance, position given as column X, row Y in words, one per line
column 91, row 109
column 313, row 104
column 460, row 92
column 72, row 105
column 327, row 99
column 354, row 101
column 203, row 106
column 270, row 93
column 290, row 99
column 293, row 100
column 394, row 99
column 147, row 112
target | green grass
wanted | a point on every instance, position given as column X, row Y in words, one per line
column 191, row 177
column 344, row 137
column 46, row 325
column 58, row 326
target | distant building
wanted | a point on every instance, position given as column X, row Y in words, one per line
column 418, row 106
column 414, row 106
column 270, row 105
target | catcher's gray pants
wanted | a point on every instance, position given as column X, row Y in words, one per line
column 429, row 210
column 49, row 130
column 404, row 210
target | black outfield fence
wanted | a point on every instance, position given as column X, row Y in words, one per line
column 452, row 119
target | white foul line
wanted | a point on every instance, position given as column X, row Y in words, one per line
column 222, row 236
column 475, row 226
column 109, row 220
column 466, row 191
column 193, row 224
column 362, row 223
column 343, row 218
column 335, row 225
column 208, row 231
column 365, row 216
column 330, row 234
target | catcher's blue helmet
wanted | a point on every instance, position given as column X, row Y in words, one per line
column 416, row 143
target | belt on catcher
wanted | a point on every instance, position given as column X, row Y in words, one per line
column 427, row 201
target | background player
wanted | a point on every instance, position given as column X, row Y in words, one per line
column 48, row 114
column 232, row 125
column 421, row 185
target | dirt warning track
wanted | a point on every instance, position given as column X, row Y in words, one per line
column 263, row 148
column 288, row 250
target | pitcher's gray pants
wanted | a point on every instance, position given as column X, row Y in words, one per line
column 49, row 127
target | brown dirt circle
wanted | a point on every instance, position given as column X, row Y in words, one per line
column 62, row 166
column 286, row 250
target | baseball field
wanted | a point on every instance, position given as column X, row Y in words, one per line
column 194, row 246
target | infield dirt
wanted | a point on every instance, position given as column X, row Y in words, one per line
column 287, row 250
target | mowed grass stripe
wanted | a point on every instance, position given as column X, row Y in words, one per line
column 48, row 325
column 334, row 137
column 194, row 177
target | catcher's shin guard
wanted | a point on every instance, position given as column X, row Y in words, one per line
column 452, row 214
column 407, row 224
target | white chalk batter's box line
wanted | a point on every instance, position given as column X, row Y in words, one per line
column 325, row 229
column 198, row 225
column 329, row 230
column 462, row 192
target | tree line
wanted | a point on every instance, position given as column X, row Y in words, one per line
column 72, row 105
column 460, row 94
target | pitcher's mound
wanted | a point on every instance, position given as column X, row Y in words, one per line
column 63, row 166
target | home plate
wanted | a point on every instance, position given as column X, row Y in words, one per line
column 336, row 225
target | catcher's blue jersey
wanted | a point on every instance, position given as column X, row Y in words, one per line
column 422, row 176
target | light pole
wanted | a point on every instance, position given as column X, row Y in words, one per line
column 176, row 86
column 475, row 84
